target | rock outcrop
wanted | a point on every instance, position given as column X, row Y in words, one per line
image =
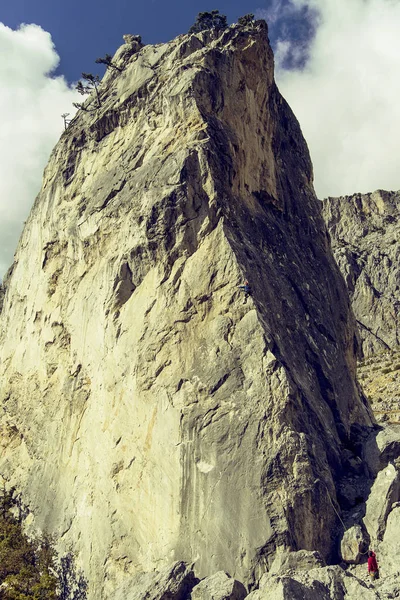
column 365, row 229
column 384, row 493
column 219, row 587
column 326, row 583
column 354, row 544
column 379, row 376
column 150, row 412
column 173, row 582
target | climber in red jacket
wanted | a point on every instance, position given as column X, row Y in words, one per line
column 373, row 568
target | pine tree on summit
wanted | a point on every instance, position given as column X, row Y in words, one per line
column 246, row 20
column 209, row 20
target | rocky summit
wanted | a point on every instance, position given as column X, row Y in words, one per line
column 164, row 423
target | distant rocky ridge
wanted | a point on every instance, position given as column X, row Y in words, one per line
column 152, row 415
column 365, row 234
column 365, row 237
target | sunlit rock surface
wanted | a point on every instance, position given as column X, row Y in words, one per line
column 365, row 229
column 152, row 413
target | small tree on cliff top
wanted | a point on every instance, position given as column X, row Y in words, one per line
column 246, row 20
column 107, row 60
column 209, row 20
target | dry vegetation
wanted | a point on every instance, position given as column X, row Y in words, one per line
column 379, row 376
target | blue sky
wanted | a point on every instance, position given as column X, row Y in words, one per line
column 83, row 30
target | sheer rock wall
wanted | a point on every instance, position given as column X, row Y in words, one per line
column 364, row 229
column 150, row 414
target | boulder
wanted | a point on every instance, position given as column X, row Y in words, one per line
column 219, row 587
column 302, row 560
column 326, row 583
column 354, row 544
column 389, row 549
column 384, row 492
column 381, row 447
column 174, row 582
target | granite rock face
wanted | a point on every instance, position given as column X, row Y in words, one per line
column 150, row 411
column 364, row 229
column 384, row 493
column 390, row 547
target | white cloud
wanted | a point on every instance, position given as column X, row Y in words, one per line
column 31, row 102
column 347, row 95
column 276, row 11
column 270, row 14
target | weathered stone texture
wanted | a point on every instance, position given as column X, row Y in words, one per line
column 328, row 583
column 353, row 544
column 384, row 493
column 389, row 549
column 364, row 229
column 149, row 413
column 379, row 376
column 173, row 582
column 302, row 560
column 219, row 586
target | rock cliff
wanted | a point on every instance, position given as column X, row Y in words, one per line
column 150, row 411
column 364, row 229
column 379, row 375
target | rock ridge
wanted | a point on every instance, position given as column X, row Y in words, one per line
column 364, row 229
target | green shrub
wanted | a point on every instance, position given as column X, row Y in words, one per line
column 209, row 20
column 29, row 569
column 246, row 20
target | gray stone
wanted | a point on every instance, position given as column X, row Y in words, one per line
column 354, row 544
column 364, row 231
column 302, row 560
column 382, row 447
column 219, row 587
column 174, row 582
column 384, row 492
column 328, row 583
column 389, row 548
